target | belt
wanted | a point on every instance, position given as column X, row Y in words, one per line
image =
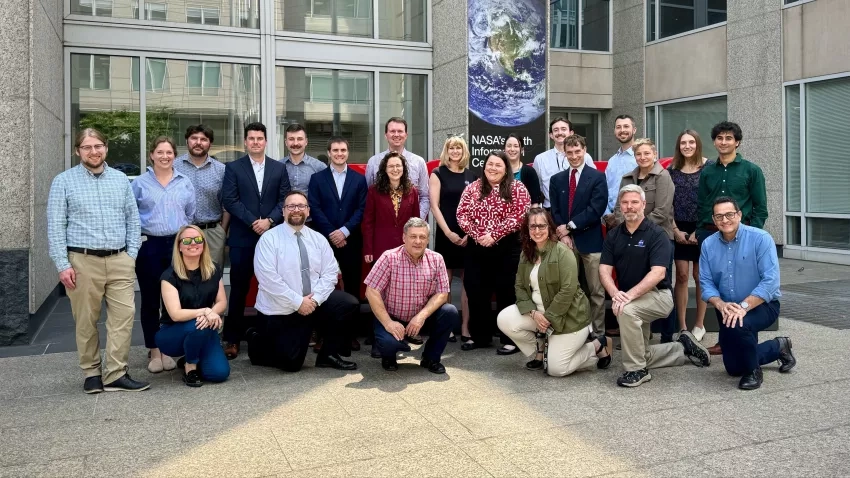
column 207, row 225
column 97, row 252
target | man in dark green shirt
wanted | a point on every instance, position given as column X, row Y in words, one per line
column 733, row 176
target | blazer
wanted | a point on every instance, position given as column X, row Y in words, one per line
column 382, row 229
column 658, row 187
column 241, row 198
column 589, row 204
column 564, row 304
column 331, row 212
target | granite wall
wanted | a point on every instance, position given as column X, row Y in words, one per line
column 450, row 71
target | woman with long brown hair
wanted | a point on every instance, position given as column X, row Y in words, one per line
column 685, row 172
column 550, row 305
column 491, row 212
column 390, row 202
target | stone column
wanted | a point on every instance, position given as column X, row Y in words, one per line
column 628, row 79
column 450, row 71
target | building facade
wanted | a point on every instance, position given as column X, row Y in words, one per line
column 138, row 69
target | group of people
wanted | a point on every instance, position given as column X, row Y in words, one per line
column 530, row 236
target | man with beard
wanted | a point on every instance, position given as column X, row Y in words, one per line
column 552, row 162
column 94, row 235
column 395, row 130
column 639, row 252
column 206, row 175
column 623, row 160
column 300, row 166
column 296, row 271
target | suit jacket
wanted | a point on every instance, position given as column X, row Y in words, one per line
column 331, row 212
column 589, row 204
column 382, row 229
column 659, row 188
column 241, row 198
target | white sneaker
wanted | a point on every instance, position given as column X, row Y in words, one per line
column 155, row 365
column 168, row 363
column 699, row 333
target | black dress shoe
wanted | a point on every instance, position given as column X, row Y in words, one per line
column 752, row 380
column 390, row 364
column 433, row 367
column 375, row 353
column 126, row 384
column 193, row 378
column 505, row 350
column 534, row 365
column 414, row 339
column 93, row 385
column 334, row 361
column 786, row 357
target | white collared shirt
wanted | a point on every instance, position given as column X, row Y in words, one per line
column 550, row 163
column 277, row 265
column 259, row 172
column 578, row 172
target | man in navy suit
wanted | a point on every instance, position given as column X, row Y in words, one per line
column 252, row 192
column 579, row 199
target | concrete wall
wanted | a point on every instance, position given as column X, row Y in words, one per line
column 815, row 39
column 754, row 85
column 450, row 71
column 691, row 65
column 628, row 75
column 580, row 80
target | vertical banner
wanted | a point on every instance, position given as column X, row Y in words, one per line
column 507, row 76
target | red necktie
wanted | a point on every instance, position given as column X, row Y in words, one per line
column 572, row 188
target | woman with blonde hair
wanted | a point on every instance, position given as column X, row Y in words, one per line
column 446, row 186
column 194, row 299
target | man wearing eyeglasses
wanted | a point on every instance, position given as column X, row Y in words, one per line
column 739, row 276
column 297, row 272
column 94, row 234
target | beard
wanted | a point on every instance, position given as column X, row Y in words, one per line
column 296, row 219
column 628, row 139
column 631, row 216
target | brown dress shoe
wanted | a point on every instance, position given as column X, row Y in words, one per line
column 231, row 351
column 715, row 349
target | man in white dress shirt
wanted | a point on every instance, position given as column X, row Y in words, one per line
column 395, row 130
column 297, row 272
column 553, row 161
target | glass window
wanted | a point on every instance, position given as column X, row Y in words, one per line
column 406, row 96
column 113, row 109
column 792, row 147
column 827, row 161
column 650, row 124
column 585, row 124
column 156, row 74
column 402, row 20
column 101, row 8
column 595, row 21
column 234, row 13
column 316, row 99
column 793, row 233
column 672, row 17
column 699, row 115
column 565, row 24
column 153, row 11
column 828, row 233
column 203, row 15
column 332, row 17
column 171, row 111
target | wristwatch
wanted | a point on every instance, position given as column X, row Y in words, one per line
column 271, row 221
column 744, row 305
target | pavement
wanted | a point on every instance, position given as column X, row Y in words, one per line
column 486, row 417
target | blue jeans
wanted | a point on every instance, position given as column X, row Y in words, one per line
column 201, row 347
column 741, row 351
column 438, row 327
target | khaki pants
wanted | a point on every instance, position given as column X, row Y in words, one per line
column 595, row 290
column 215, row 238
column 111, row 278
column 634, row 333
column 567, row 353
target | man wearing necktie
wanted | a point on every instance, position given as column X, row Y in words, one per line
column 579, row 198
column 297, row 274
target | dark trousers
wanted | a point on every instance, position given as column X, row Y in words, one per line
column 154, row 258
column 282, row 341
column 437, row 326
column 667, row 326
column 350, row 259
column 201, row 347
column 241, row 272
column 489, row 270
column 741, row 351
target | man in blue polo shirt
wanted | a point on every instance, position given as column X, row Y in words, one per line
column 739, row 276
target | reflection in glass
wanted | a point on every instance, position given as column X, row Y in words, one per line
column 565, row 24
column 792, row 148
column 406, row 96
column 331, row 17
column 700, row 115
column 595, row 21
column 402, row 20
column 103, row 97
column 232, row 13
column 327, row 103
column 828, row 233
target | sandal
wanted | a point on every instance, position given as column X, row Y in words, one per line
column 605, row 362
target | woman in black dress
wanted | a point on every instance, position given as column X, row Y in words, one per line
column 522, row 172
column 685, row 170
column 446, row 185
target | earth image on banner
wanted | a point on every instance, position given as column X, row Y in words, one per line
column 507, row 60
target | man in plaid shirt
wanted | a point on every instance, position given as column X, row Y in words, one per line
column 407, row 290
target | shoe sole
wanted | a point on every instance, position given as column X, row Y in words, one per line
column 700, row 346
column 92, row 392
column 193, row 385
column 325, row 365
column 638, row 383
column 120, row 389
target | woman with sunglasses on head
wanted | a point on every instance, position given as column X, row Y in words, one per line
column 522, row 172
column 194, row 299
column 166, row 200
column 550, row 305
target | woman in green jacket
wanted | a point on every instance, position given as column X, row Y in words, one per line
column 550, row 302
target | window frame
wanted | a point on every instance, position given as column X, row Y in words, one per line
column 579, row 23
column 204, row 11
column 568, row 113
column 657, row 20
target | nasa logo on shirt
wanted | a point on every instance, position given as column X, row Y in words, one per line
column 640, row 244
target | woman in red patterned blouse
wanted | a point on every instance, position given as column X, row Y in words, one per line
column 491, row 211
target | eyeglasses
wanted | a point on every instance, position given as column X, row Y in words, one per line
column 296, row 207
column 455, row 135
column 395, row 166
column 729, row 216
column 189, row 240
column 89, row 148
column 538, row 226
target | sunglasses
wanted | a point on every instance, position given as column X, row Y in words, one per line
column 189, row 240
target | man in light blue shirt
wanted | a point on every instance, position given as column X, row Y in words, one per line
column 395, row 130
column 300, row 166
column 623, row 161
column 739, row 276
column 553, row 161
